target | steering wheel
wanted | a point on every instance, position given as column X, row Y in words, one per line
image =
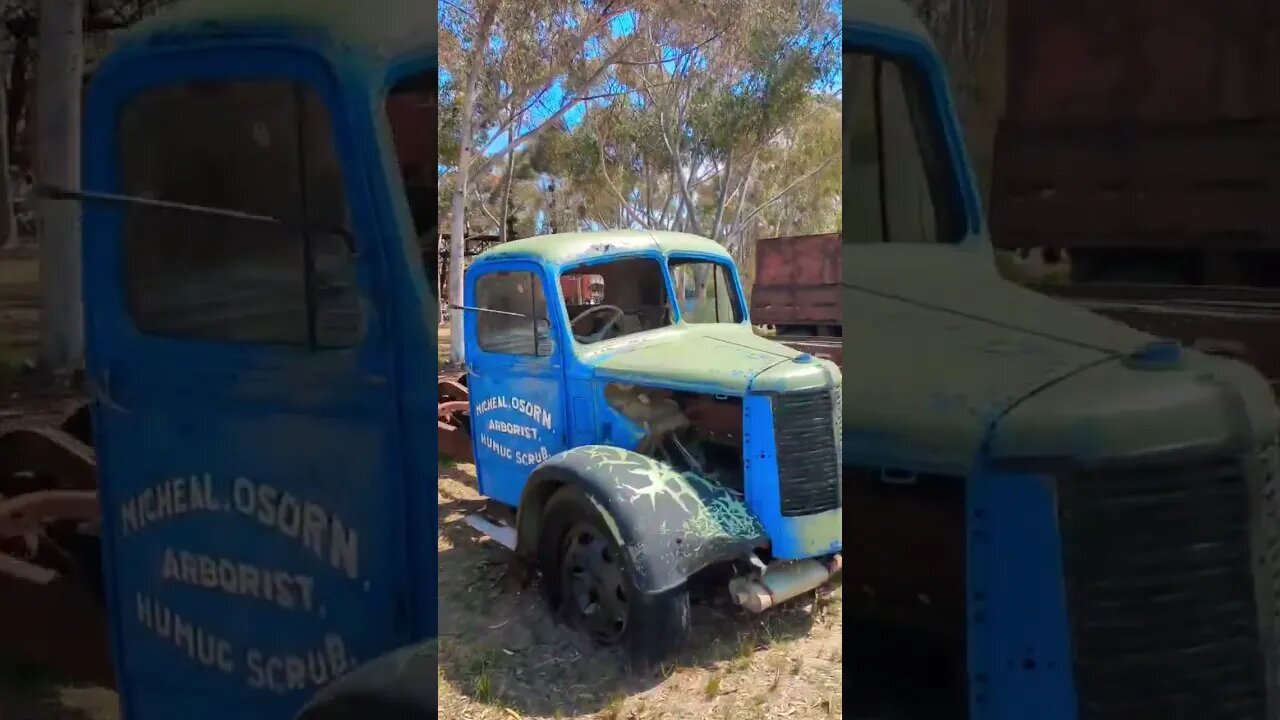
column 598, row 335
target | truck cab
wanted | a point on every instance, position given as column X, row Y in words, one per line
column 260, row 345
column 653, row 422
column 1083, row 509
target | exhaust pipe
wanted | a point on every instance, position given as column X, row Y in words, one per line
column 781, row 581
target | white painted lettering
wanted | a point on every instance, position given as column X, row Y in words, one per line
column 242, row 495
column 166, row 499
column 129, row 516
column 529, row 409
column 508, row 428
column 344, row 549
column 278, row 587
column 267, row 497
column 314, row 524
column 305, row 522
column 290, row 516
column 198, row 644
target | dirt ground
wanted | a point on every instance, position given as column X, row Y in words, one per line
column 502, row 656
column 26, row 695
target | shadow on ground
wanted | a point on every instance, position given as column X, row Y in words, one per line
column 499, row 644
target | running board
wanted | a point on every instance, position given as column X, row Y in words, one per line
column 505, row 535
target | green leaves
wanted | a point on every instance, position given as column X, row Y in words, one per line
column 703, row 113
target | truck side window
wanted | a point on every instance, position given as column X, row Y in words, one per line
column 524, row 333
column 895, row 159
column 705, row 292
column 259, row 147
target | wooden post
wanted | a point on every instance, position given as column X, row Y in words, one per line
column 59, row 84
column 8, row 221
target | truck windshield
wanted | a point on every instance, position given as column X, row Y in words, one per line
column 705, row 292
column 895, row 160
column 615, row 298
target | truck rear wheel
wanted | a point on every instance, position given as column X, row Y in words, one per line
column 588, row 579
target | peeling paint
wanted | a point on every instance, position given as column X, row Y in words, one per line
column 672, row 524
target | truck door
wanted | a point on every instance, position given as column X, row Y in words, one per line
column 245, row 396
column 515, row 377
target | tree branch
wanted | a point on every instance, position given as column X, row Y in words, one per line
column 485, row 161
column 788, row 188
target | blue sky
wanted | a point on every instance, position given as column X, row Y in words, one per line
column 622, row 26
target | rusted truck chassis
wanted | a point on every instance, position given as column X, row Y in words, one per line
column 797, row 292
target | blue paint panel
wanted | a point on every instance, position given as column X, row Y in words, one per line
column 411, row 316
column 254, row 502
column 791, row 538
column 1019, row 640
column 518, row 417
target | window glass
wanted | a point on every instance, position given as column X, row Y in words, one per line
column 264, row 148
column 615, row 298
column 895, row 164
column 705, row 291
column 519, row 327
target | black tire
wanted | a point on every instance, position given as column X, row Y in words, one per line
column 398, row 686
column 652, row 626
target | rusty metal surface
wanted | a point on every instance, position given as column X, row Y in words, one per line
column 453, row 424
column 908, row 537
column 48, row 452
column 26, row 515
column 50, row 577
column 1139, row 124
column 1237, row 322
column 59, row 625
column 797, row 281
column 1157, row 62
column 1156, row 186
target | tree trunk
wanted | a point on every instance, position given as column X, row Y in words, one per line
column 8, row 223
column 59, row 81
column 505, row 230
column 458, row 234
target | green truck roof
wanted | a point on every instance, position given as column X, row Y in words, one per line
column 888, row 14
column 570, row 248
column 388, row 28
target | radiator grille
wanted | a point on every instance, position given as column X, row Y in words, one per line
column 1160, row 592
column 808, row 459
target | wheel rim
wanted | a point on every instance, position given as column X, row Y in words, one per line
column 592, row 578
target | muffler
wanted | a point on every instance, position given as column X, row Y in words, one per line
column 781, row 581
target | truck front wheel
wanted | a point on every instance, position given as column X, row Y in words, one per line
column 588, row 579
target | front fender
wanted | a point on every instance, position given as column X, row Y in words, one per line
column 671, row 524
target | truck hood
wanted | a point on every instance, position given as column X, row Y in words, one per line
column 953, row 362
column 726, row 359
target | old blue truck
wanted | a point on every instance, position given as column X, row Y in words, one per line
column 1087, row 512
column 631, row 443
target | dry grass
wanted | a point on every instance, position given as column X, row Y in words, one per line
column 503, row 657
column 19, row 310
column 29, row 695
